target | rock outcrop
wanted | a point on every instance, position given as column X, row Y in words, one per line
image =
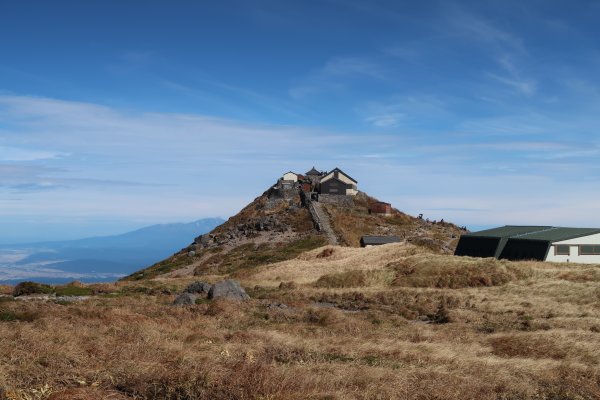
column 198, row 288
column 228, row 289
column 185, row 299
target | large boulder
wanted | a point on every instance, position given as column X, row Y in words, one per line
column 198, row 287
column 228, row 289
column 185, row 299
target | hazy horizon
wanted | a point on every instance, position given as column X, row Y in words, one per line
column 115, row 116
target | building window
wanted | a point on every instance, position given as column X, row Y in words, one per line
column 589, row 249
column 562, row 250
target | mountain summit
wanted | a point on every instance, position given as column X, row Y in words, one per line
column 300, row 212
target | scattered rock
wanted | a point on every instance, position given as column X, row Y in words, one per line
column 324, row 304
column 185, row 299
column 70, row 299
column 35, row 297
column 228, row 289
column 198, row 287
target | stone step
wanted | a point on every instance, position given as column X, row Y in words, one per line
column 324, row 223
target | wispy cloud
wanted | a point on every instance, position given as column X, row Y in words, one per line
column 24, row 154
column 184, row 166
column 502, row 46
column 403, row 111
column 385, row 120
column 513, row 76
column 235, row 99
column 116, row 155
column 478, row 28
column 338, row 73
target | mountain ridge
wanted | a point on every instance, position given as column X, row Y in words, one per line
column 99, row 257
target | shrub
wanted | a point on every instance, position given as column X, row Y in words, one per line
column 322, row 316
column 528, row 345
column 103, row 288
column 441, row 316
column 148, row 288
column 10, row 316
column 25, row 288
column 288, row 285
column 355, row 278
column 328, row 252
column 6, row 289
column 74, row 291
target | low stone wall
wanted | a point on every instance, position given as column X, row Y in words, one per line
column 314, row 215
column 338, row 200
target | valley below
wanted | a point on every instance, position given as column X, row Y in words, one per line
column 96, row 259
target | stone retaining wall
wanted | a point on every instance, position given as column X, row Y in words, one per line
column 336, row 199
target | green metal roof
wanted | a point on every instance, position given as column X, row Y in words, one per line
column 557, row 234
column 508, row 231
column 546, row 233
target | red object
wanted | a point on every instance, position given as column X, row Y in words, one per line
column 381, row 207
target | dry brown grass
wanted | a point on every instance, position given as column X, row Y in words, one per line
column 355, row 278
column 430, row 270
column 311, row 265
column 6, row 289
column 363, row 327
column 350, row 224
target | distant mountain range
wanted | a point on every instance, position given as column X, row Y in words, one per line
column 98, row 258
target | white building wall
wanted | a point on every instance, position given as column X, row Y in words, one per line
column 327, row 177
column 574, row 246
column 290, row 176
column 341, row 177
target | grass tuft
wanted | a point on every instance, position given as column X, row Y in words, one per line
column 73, row 291
column 12, row 315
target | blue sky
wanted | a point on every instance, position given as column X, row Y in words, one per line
column 115, row 115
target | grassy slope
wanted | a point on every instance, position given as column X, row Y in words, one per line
column 360, row 324
column 250, row 251
column 348, row 223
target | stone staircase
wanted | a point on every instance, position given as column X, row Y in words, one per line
column 321, row 219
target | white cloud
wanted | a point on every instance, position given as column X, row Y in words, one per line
column 400, row 110
column 338, row 73
column 160, row 166
column 23, row 154
column 146, row 164
column 477, row 28
column 524, row 86
column 385, row 120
